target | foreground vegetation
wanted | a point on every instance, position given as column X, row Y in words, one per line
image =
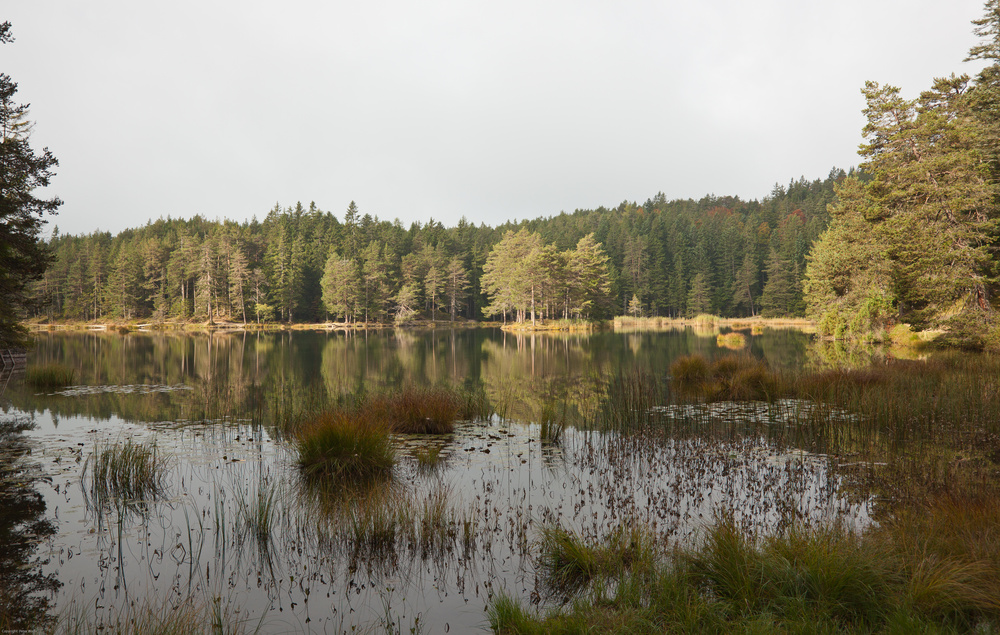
column 922, row 437
column 936, row 572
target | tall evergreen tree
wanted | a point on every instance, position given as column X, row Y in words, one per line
column 22, row 257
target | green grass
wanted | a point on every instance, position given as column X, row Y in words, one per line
column 50, row 376
column 345, row 445
column 569, row 563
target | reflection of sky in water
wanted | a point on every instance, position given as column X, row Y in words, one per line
column 497, row 476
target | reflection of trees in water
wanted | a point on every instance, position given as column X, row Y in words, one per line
column 239, row 374
column 24, row 591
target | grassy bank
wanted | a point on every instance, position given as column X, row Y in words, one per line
column 802, row 581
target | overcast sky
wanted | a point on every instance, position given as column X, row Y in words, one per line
column 494, row 111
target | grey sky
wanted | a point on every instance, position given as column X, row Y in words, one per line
column 442, row 109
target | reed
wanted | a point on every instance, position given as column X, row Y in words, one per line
column 256, row 513
column 124, row 473
column 51, row 375
column 629, row 401
column 552, row 422
column 148, row 616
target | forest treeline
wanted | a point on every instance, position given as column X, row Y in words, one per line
column 676, row 258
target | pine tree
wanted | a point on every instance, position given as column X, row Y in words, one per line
column 22, row 257
column 699, row 299
column 456, row 285
column 340, row 286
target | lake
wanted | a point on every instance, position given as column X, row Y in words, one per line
column 237, row 528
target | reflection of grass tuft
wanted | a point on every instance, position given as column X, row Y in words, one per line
column 474, row 404
column 734, row 340
column 50, row 376
column 428, row 458
column 630, row 397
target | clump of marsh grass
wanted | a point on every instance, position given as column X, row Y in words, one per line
column 51, row 375
column 506, row 615
column 125, row 473
column 739, row 377
column 569, row 563
column 804, row 580
column 345, row 445
column 429, row 458
column 415, row 410
column 833, row 572
column 689, row 369
column 552, row 422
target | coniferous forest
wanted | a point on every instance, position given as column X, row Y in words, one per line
column 677, row 258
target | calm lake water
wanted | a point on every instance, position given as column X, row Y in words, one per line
column 238, row 526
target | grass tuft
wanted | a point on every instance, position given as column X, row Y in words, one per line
column 345, row 445
column 689, row 369
column 418, row 410
column 124, row 473
column 50, row 376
